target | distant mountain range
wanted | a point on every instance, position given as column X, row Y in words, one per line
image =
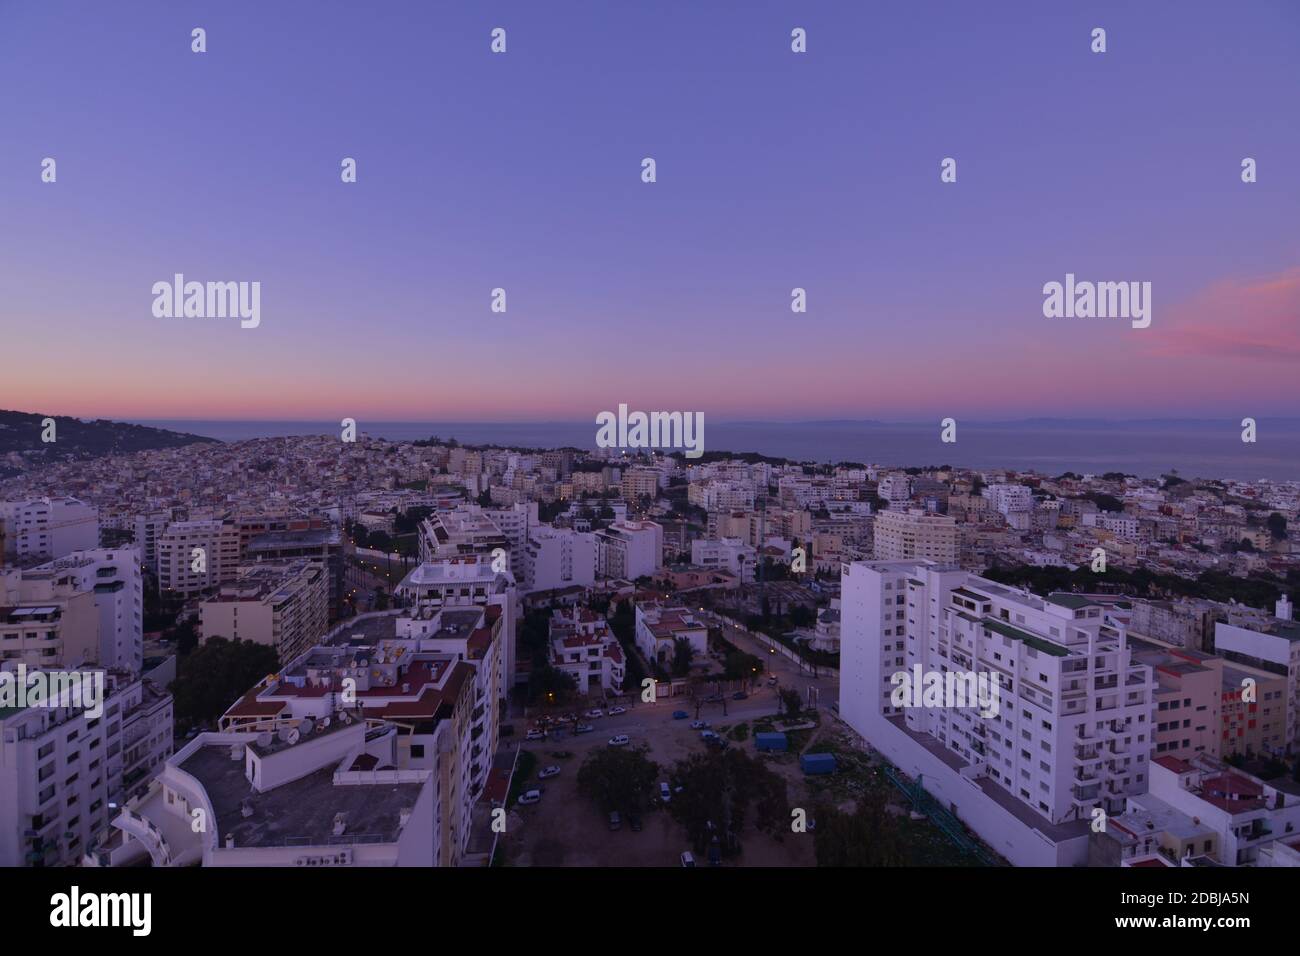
column 76, row 439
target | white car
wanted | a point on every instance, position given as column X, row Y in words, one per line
column 615, row 711
column 620, row 741
column 594, row 713
column 535, row 735
column 699, row 725
column 530, row 797
column 688, row 858
column 664, row 793
column 550, row 771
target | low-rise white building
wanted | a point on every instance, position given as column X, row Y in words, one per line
column 659, row 627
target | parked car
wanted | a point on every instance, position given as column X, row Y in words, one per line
column 536, row 735
column 619, row 741
column 680, row 715
column 634, row 821
column 615, row 821
column 664, row 793
column 594, row 713
column 688, row 858
column 708, row 735
column 771, row 681
column 530, row 797
column 739, row 695
column 551, row 771
column 699, row 725
column 615, row 711
column 583, row 729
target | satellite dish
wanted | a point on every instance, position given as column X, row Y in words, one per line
column 324, row 722
column 307, row 726
column 285, row 733
column 294, row 736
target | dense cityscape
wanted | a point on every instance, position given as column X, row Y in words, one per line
column 492, row 459
column 396, row 643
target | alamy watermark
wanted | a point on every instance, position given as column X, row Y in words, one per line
column 651, row 430
column 950, row 689
column 81, row 690
column 208, row 300
column 1101, row 300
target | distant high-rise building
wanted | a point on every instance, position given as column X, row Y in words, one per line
column 916, row 535
column 46, row 528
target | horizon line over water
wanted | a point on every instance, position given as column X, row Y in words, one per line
column 1196, row 448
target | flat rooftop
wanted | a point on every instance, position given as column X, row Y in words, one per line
column 300, row 813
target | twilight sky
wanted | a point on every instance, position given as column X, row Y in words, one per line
column 775, row 170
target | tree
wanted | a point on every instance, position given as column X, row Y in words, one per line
column 215, row 675
column 683, row 654
column 717, row 790
column 867, row 837
column 549, row 685
column 618, row 778
column 186, row 638
column 791, row 702
column 1277, row 526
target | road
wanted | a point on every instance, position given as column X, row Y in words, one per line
column 791, row 673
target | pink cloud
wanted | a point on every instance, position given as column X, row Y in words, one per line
column 1256, row 318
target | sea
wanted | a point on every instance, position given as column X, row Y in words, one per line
column 1191, row 448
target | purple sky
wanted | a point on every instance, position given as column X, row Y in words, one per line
column 775, row 170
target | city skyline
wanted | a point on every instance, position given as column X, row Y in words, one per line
column 775, row 172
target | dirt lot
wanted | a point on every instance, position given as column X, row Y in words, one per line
column 565, row 829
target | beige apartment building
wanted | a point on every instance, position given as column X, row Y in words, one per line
column 282, row 604
column 195, row 556
column 916, row 535
column 1188, row 698
column 46, row 622
column 1258, row 725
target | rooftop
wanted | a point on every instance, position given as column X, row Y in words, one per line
column 300, row 813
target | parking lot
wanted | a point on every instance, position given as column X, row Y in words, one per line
column 566, row 829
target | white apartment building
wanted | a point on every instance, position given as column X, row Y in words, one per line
column 196, row 556
column 466, row 530
column 558, row 558
column 1121, row 525
column 583, row 646
column 731, row 554
column 659, row 628
column 310, row 794
column 281, row 604
column 1071, row 732
column 61, row 770
column 113, row 576
column 916, row 535
column 466, row 582
column 716, row 495
column 630, row 549
column 896, row 489
column 1008, row 498
column 46, row 528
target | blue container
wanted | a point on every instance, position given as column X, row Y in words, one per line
column 771, row 741
column 817, row 763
